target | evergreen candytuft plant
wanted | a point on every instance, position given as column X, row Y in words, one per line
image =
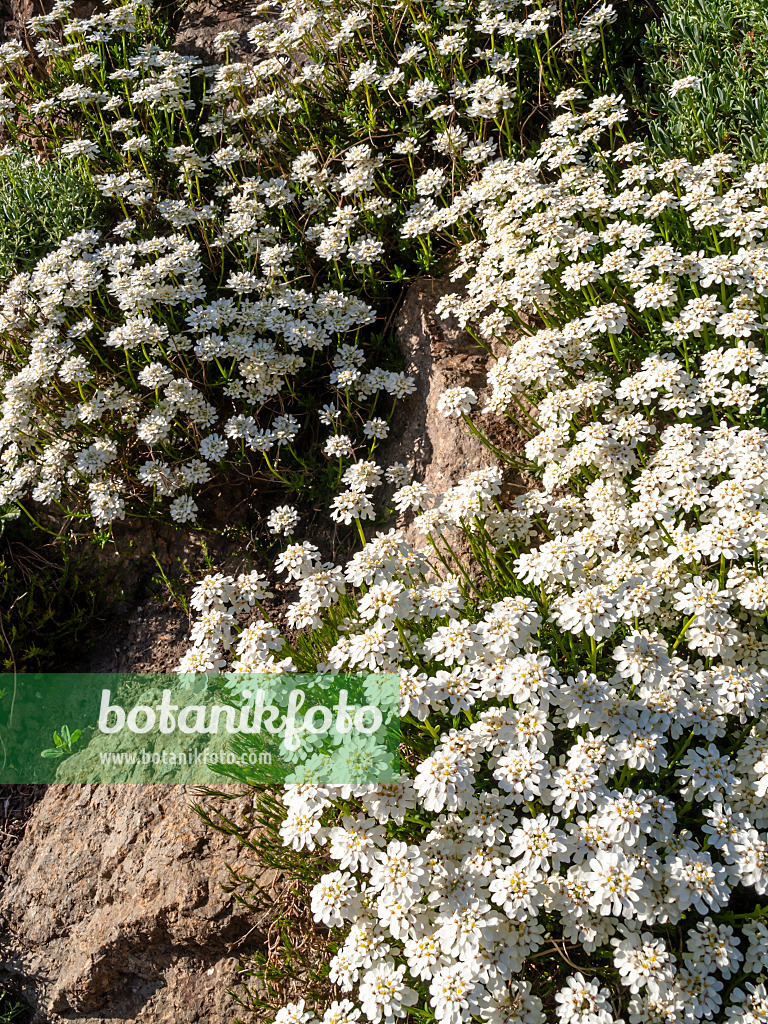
column 579, row 835
column 272, row 214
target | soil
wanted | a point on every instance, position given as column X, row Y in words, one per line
column 144, row 627
column 16, row 806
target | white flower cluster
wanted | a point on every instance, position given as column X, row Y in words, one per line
column 605, row 810
column 147, row 351
column 589, row 697
column 597, row 695
column 221, row 601
column 67, row 424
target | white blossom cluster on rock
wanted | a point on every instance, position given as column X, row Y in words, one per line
column 594, row 694
column 582, row 835
column 229, row 307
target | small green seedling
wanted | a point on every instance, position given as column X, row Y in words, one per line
column 64, row 743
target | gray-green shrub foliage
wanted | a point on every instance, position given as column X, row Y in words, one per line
column 41, row 203
column 725, row 44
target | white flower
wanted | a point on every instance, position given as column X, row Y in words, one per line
column 213, row 448
column 373, row 648
column 351, row 505
column 519, row 892
column 642, row 657
column 365, row 251
column 592, row 611
column 583, row 1002
column 451, row 988
column 522, row 773
column 538, row 842
column 609, row 317
column 444, row 780
column 294, row 1013
column 713, row 947
column 641, row 959
column 400, row 869
column 384, row 996
column 283, row 519
column 693, row 880
column 354, row 842
column 707, row 774
column 616, row 883
column 301, row 830
column 681, row 84
column 455, row 643
column 331, row 898
column 341, row 1012
column 183, row 509
column 456, row 401
column 80, row 147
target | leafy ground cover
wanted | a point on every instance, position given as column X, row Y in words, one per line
column 724, row 48
column 42, row 202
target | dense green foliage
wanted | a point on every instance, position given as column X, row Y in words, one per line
column 41, row 203
column 725, row 44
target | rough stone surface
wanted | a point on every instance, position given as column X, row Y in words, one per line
column 202, row 20
column 113, row 909
column 14, row 14
column 438, row 355
column 439, row 451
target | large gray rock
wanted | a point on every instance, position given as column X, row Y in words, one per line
column 113, row 908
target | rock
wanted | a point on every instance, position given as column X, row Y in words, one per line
column 113, row 907
column 142, row 628
column 146, row 637
column 438, row 355
column 439, row 451
column 16, row 806
column 202, row 20
column 14, row 14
